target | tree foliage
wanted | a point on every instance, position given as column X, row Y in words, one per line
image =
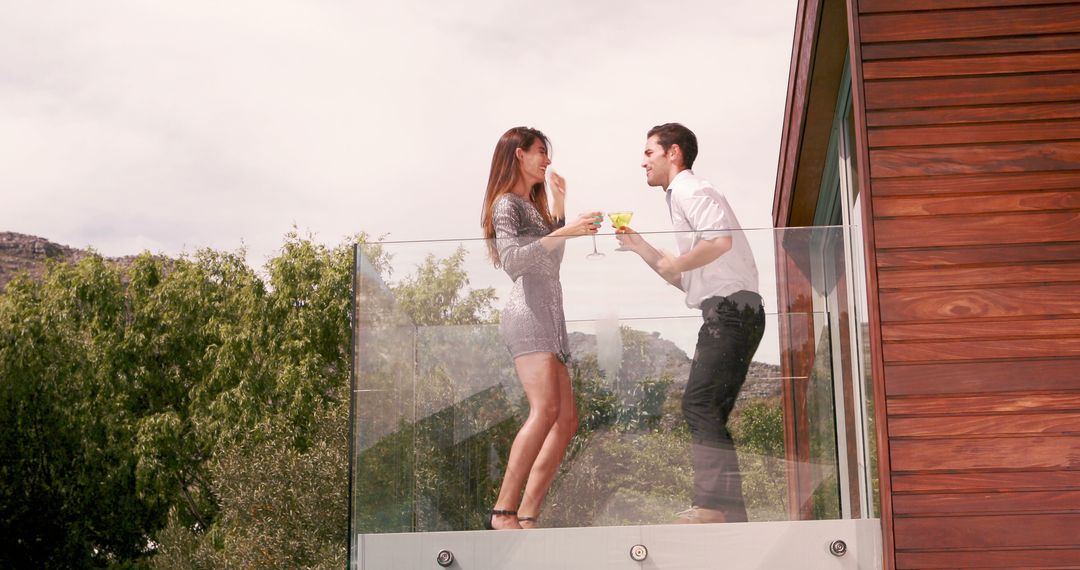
column 194, row 413
column 144, row 396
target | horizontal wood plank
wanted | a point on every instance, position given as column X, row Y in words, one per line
column 982, row 114
column 996, row 229
column 983, row 503
column 874, row 6
column 971, row 65
column 939, row 256
column 985, row 481
column 957, row 91
column 974, row 23
column 983, row 329
column 1042, row 452
column 946, row 378
column 987, row 275
column 977, row 183
column 949, row 350
column 975, row 159
column 897, row 206
column 1020, row 301
column 986, row 404
column 1013, row 424
column 1050, row 558
column 945, row 48
column 974, row 134
column 987, row 531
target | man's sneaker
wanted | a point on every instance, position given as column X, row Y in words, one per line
column 699, row 515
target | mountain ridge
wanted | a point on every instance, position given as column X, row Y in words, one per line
column 21, row 253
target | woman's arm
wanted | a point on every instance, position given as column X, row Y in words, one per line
column 518, row 254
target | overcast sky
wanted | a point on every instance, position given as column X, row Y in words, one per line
column 169, row 126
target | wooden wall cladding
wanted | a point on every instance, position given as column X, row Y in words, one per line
column 988, row 90
column 992, row 531
column 937, row 23
column 972, row 110
column 987, row 376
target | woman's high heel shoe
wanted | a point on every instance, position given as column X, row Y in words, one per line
column 529, row 520
column 496, row 513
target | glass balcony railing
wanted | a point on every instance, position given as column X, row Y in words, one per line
column 437, row 401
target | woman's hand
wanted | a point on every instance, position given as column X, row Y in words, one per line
column 558, row 186
column 585, row 224
column 558, row 195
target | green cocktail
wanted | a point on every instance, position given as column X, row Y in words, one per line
column 620, row 219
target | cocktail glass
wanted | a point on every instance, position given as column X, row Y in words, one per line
column 620, row 219
column 595, row 254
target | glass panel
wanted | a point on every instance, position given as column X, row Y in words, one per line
column 438, row 402
column 383, row 400
column 862, row 351
column 861, row 333
column 852, row 156
column 846, row 302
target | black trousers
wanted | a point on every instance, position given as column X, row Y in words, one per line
column 727, row 341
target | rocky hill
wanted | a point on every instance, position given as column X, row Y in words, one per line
column 25, row 253
column 21, row 253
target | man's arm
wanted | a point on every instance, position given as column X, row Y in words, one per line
column 704, row 252
column 633, row 241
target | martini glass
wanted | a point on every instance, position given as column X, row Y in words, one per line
column 620, row 219
column 595, row 254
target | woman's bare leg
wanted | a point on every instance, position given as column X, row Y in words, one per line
column 554, row 449
column 539, row 378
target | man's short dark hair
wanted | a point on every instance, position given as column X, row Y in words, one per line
column 674, row 133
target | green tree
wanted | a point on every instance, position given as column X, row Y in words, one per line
column 128, row 393
column 69, row 488
column 437, row 294
column 758, row 430
column 281, row 484
column 278, row 471
column 193, row 413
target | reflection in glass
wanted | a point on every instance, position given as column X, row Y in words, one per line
column 437, row 400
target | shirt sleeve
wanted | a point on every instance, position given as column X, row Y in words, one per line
column 518, row 254
column 708, row 212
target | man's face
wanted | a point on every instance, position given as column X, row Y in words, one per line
column 657, row 163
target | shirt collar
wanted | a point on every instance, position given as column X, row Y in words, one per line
column 685, row 173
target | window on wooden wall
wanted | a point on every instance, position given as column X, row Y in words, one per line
column 839, row 205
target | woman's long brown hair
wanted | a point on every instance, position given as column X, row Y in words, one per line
column 505, row 174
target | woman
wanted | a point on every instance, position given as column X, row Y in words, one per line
column 526, row 238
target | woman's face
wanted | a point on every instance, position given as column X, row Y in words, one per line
column 533, row 162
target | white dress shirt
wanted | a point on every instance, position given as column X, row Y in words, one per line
column 700, row 211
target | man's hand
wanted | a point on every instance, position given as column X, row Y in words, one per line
column 629, row 239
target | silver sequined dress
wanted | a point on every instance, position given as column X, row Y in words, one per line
column 532, row 320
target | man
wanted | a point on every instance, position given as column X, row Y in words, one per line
column 716, row 269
